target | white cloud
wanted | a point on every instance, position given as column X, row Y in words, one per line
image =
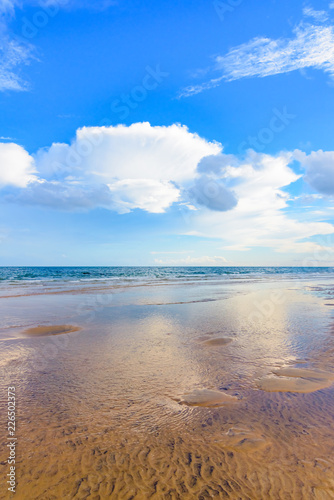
column 311, row 47
column 242, row 202
column 193, row 261
column 319, row 167
column 147, row 194
column 16, row 166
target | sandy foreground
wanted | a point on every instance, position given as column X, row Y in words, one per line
column 162, row 390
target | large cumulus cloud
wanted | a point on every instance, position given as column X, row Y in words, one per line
column 120, row 168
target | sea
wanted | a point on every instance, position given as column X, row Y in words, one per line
column 79, row 273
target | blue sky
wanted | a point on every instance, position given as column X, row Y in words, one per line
column 166, row 133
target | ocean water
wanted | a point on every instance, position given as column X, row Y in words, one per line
column 13, row 274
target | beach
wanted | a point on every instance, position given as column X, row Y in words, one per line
column 169, row 384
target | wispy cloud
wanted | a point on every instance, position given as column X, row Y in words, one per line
column 312, row 46
column 12, row 55
column 318, row 15
column 7, row 6
column 15, row 54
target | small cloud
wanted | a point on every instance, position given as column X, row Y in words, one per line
column 194, row 261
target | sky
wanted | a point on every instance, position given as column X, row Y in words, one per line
column 166, row 132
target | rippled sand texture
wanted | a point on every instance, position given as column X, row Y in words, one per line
column 171, row 401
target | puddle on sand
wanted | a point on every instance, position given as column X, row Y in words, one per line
column 48, row 330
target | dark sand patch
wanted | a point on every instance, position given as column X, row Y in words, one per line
column 218, row 341
column 40, row 330
column 291, row 379
column 206, row 397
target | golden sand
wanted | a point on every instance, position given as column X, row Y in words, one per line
column 51, row 330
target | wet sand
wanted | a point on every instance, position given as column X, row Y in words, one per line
column 166, row 393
